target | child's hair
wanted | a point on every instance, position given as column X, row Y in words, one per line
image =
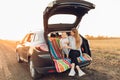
column 64, row 34
column 52, row 35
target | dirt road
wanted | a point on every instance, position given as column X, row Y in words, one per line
column 100, row 69
column 9, row 68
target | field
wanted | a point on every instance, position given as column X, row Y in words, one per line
column 106, row 59
column 105, row 64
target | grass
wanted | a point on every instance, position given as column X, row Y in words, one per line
column 110, row 45
column 106, row 58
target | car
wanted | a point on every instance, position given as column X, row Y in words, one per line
column 35, row 47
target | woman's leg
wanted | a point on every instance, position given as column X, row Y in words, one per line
column 73, row 55
column 72, row 71
column 73, row 63
column 80, row 72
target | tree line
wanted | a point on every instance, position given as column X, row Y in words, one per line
column 100, row 37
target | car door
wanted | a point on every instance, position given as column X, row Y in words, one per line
column 26, row 44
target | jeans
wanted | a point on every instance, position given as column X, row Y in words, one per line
column 73, row 54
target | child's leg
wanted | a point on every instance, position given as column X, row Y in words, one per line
column 63, row 53
column 67, row 55
column 66, row 51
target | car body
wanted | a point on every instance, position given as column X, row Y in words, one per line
column 34, row 47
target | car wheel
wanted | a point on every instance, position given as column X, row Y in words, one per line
column 33, row 72
column 18, row 58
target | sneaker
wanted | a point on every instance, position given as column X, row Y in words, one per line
column 81, row 73
column 72, row 72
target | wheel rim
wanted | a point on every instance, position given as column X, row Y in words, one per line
column 32, row 70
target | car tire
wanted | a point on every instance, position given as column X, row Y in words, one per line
column 18, row 58
column 34, row 74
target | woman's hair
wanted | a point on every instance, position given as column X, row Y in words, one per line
column 77, row 37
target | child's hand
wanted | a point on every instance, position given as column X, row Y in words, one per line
column 67, row 47
column 66, row 42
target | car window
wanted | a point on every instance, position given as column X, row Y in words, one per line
column 28, row 38
column 39, row 37
column 36, row 37
column 25, row 38
column 62, row 18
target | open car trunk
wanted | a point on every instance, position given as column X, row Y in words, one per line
column 77, row 8
column 63, row 63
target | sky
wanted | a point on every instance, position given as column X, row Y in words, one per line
column 17, row 17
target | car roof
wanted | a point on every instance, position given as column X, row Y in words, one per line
column 37, row 32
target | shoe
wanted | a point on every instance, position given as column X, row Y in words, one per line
column 81, row 73
column 72, row 72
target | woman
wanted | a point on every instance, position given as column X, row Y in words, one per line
column 75, row 42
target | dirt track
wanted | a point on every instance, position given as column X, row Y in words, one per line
column 9, row 68
column 100, row 69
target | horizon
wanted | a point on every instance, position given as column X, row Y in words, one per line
column 86, row 36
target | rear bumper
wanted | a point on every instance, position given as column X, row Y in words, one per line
column 45, row 70
column 52, row 69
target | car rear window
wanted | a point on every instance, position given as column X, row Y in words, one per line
column 62, row 18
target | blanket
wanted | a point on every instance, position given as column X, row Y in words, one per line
column 63, row 64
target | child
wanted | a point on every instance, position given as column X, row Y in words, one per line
column 63, row 43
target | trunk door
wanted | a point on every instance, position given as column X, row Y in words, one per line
column 77, row 8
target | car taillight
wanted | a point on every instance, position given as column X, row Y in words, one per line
column 38, row 48
column 51, row 71
column 42, row 47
